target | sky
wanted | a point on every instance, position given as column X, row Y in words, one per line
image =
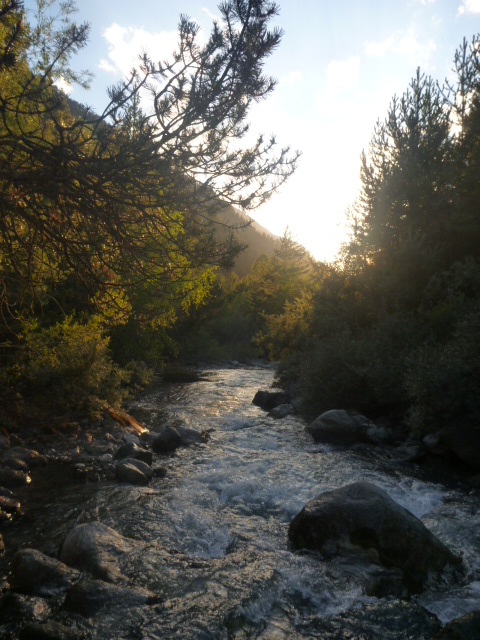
column 338, row 66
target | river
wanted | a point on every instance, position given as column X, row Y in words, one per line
column 216, row 527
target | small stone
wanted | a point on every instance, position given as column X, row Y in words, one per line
column 31, row 457
column 167, row 440
column 106, row 458
column 10, row 505
column 132, row 450
column 134, row 471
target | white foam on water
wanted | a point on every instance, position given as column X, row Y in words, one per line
column 454, row 604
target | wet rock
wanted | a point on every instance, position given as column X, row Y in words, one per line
column 344, row 427
column 167, row 440
column 268, row 400
column 465, row 628
column 29, row 456
column 50, row 630
column 36, row 574
column 132, row 450
column 282, row 411
column 362, row 519
column 15, row 606
column 10, row 506
column 6, row 492
column 88, row 597
column 160, row 472
column 96, row 548
column 134, row 471
column 13, row 463
column 4, row 442
column 191, row 436
column 13, row 478
column 106, row 458
column 410, row 452
column 2, row 544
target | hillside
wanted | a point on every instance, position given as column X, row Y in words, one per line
column 258, row 240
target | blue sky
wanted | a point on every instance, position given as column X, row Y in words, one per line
column 338, row 66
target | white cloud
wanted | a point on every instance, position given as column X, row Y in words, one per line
column 211, row 15
column 126, row 44
column 63, row 85
column 469, row 6
column 342, row 75
column 403, row 44
column 426, row 2
column 291, row 77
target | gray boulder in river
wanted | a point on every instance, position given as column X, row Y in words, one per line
column 361, row 518
column 96, row 548
column 338, row 426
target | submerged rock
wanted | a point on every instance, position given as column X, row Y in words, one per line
column 361, row 518
column 192, row 436
column 36, row 574
column 50, row 630
column 282, row 411
column 88, row 597
column 268, row 400
column 96, row 548
column 465, row 628
column 338, row 426
column 17, row 606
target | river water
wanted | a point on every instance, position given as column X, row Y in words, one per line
column 216, row 528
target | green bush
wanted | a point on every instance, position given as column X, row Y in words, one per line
column 443, row 380
column 65, row 368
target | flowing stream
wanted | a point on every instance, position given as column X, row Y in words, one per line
column 216, row 528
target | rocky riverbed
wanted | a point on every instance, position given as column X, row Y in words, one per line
column 205, row 516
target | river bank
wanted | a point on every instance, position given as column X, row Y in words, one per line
column 210, row 527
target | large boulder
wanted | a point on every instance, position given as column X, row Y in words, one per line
column 96, row 548
column 36, row 574
column 268, row 400
column 361, row 518
column 338, row 426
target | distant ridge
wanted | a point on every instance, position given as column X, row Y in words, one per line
column 259, row 240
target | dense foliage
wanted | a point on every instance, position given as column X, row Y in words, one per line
column 392, row 328
column 108, row 222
